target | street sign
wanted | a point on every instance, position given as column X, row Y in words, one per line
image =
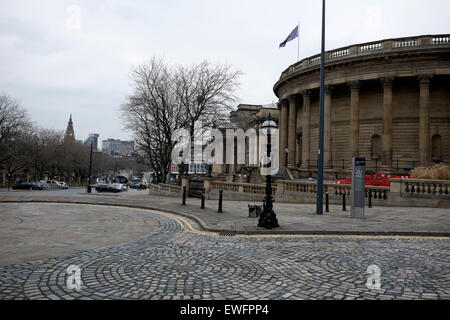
column 358, row 187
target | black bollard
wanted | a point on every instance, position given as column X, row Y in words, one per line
column 184, row 196
column 220, row 201
column 370, row 198
column 343, row 202
column 327, row 209
column 203, row 200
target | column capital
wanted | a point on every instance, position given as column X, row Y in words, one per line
column 424, row 79
column 387, row 81
column 292, row 97
column 354, row 84
column 306, row 93
column 328, row 89
column 282, row 103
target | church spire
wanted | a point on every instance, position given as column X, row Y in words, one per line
column 69, row 137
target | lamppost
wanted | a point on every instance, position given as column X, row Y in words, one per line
column 268, row 218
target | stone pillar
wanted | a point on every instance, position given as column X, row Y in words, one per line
column 327, row 128
column 283, row 126
column 305, row 127
column 298, row 134
column 387, row 121
column 424, row 120
column 354, row 118
column 292, row 135
column 185, row 182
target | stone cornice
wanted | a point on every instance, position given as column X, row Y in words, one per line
column 384, row 49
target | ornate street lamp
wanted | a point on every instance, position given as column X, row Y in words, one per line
column 268, row 218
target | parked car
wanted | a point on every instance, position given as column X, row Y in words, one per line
column 63, row 185
column 23, row 186
column 53, row 184
column 43, row 184
column 101, row 187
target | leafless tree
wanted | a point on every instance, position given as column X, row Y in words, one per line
column 14, row 121
column 165, row 99
column 152, row 113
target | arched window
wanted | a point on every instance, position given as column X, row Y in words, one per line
column 376, row 147
column 436, row 148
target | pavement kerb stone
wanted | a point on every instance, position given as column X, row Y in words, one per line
column 205, row 227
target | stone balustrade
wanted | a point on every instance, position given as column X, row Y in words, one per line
column 364, row 49
column 162, row 187
column 240, row 187
column 284, row 186
column 402, row 192
column 412, row 187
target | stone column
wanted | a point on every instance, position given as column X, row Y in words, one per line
column 424, row 120
column 298, row 135
column 354, row 118
column 292, row 135
column 327, row 128
column 283, row 126
column 387, row 121
column 305, row 127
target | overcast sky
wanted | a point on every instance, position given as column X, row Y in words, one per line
column 56, row 67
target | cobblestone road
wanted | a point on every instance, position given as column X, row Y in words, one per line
column 174, row 261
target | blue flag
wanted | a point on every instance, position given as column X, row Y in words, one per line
column 291, row 36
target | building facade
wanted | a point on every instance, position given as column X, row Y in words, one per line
column 93, row 137
column 117, row 147
column 245, row 117
column 387, row 101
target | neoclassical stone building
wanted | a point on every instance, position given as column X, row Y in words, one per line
column 387, row 101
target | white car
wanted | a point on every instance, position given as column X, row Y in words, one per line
column 63, row 185
column 118, row 186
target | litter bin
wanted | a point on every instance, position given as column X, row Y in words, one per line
column 254, row 210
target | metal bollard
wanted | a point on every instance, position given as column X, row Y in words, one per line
column 184, row 196
column 370, row 198
column 203, row 200
column 327, row 209
column 220, row 201
column 343, row 202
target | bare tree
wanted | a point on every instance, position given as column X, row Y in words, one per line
column 206, row 93
column 165, row 99
column 152, row 113
column 14, row 121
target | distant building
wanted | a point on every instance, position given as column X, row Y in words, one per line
column 94, row 138
column 116, row 147
column 69, row 136
column 126, row 148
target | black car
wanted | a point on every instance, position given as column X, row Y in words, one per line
column 106, row 188
column 24, row 186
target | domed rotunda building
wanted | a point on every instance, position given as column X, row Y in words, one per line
column 387, row 101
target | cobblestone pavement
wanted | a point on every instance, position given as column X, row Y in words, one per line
column 174, row 261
